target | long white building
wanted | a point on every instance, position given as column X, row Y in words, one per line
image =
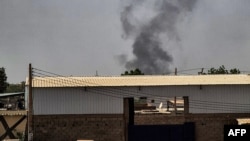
column 104, row 95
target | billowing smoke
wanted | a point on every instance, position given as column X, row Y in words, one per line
column 150, row 55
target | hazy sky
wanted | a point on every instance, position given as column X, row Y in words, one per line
column 80, row 37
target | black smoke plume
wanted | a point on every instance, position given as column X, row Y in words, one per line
column 148, row 49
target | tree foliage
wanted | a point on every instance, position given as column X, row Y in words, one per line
column 3, row 80
column 12, row 88
column 223, row 70
column 133, row 72
column 235, row 71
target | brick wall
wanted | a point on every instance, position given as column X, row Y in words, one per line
column 153, row 119
column 208, row 127
column 73, row 127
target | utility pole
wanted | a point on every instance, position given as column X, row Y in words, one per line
column 175, row 71
column 201, row 72
column 175, row 108
column 96, row 73
column 30, row 110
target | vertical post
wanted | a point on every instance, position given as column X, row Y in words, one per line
column 131, row 111
column 30, row 110
column 201, row 73
column 175, row 71
column 128, row 112
column 125, row 117
column 167, row 105
column 175, row 109
column 186, row 104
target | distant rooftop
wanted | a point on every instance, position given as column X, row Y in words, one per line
column 11, row 94
column 142, row 80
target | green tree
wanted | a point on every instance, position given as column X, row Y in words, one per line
column 223, row 70
column 12, row 88
column 3, row 80
column 235, row 71
column 133, row 72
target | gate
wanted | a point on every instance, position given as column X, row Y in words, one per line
column 183, row 132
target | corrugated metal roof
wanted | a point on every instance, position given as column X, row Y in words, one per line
column 11, row 94
column 145, row 80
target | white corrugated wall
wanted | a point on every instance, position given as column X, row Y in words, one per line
column 74, row 101
column 210, row 99
column 109, row 100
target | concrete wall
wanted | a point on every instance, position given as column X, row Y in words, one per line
column 76, row 127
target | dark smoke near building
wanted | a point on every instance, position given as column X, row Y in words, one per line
column 150, row 55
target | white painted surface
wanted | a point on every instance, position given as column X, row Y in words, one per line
column 74, row 101
column 109, row 100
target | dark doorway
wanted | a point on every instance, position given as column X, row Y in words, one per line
column 184, row 132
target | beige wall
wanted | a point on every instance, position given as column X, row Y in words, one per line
column 11, row 120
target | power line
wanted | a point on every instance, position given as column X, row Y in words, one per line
column 77, row 88
column 214, row 103
column 218, row 106
column 135, row 93
column 96, row 84
column 113, row 92
column 193, row 105
column 189, row 70
column 217, row 109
